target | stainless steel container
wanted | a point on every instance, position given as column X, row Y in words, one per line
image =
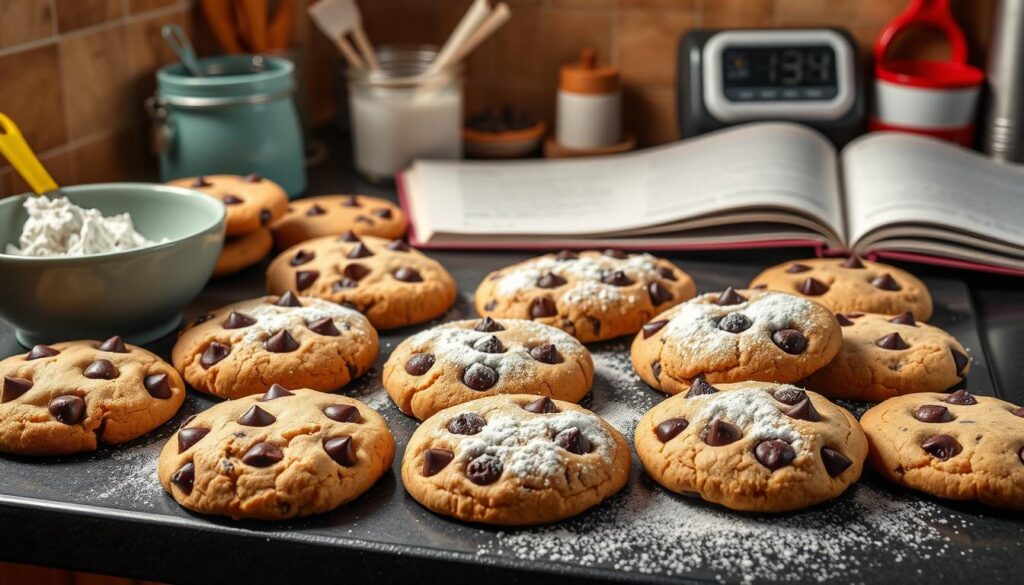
column 1004, row 116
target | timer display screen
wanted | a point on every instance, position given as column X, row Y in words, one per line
column 779, row 73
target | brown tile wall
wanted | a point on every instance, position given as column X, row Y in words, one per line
column 73, row 73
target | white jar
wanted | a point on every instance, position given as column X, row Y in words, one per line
column 589, row 107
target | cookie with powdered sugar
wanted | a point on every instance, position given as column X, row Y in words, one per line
column 735, row 336
column 514, row 459
column 465, row 360
column 752, row 446
column 591, row 295
column 298, row 342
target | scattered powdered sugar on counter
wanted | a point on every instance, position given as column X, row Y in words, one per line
column 132, row 476
column 57, row 227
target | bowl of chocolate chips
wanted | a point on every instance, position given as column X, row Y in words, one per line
column 502, row 132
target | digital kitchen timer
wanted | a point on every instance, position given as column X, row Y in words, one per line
column 733, row 76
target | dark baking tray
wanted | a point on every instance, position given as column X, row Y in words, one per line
column 106, row 511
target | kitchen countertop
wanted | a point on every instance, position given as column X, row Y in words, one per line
column 104, row 512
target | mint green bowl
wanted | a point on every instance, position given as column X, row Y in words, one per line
column 137, row 294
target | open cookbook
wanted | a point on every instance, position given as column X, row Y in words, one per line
column 758, row 185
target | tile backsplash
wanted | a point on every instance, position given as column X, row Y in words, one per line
column 74, row 73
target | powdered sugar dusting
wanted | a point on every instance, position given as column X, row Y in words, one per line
column 754, row 411
column 588, row 270
column 271, row 318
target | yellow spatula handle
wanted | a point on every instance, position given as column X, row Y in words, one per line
column 17, row 152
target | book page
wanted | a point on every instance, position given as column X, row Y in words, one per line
column 893, row 178
column 769, row 165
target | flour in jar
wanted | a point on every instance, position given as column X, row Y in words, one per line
column 57, row 227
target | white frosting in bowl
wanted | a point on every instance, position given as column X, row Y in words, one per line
column 57, row 227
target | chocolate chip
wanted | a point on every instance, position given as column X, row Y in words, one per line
column 185, row 477
column 550, row 280
column 324, row 326
column 542, row 307
column 797, row 268
column 546, row 354
column 301, row 257
column 541, row 406
column 434, row 460
column 803, row 410
column 288, row 299
column 480, row 377
column 573, row 441
column 349, row 236
column 14, row 387
column 942, row 447
column 101, row 370
column 41, row 351
column 315, row 210
column 466, row 423
column 844, row 321
column 398, row 246
column 834, row 461
column 114, row 345
column 201, row 182
column 67, row 409
column 906, row 318
column 265, row 216
column 253, row 178
column 669, row 429
column 734, row 323
column 281, row 342
column 790, row 341
column 617, row 278
column 933, row 413
column 567, row 255
column 238, row 320
column 489, row 325
column 667, row 273
column 256, row 417
column 355, row 271
column 774, row 453
column 852, row 262
column 653, row 327
column 759, row 286
column 720, row 433
column 344, row 413
column 158, row 386
column 658, row 293
column 891, row 341
column 359, row 251
column 275, row 391
column 214, row 353
column 407, row 274
column 813, row 287
column 383, row 213
column 700, row 387
column 484, row 470
column 190, row 436
column 489, row 345
column 656, row 370
column 960, row 361
column 351, row 201
column 885, row 282
column 961, row 397
column 419, row 364
column 615, row 254
column 305, row 278
column 263, row 455
column 342, row 450
column 790, row 395
column 730, row 297
column 232, row 200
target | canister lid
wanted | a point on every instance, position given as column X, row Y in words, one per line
column 586, row 77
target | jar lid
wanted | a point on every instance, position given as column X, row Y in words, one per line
column 586, row 77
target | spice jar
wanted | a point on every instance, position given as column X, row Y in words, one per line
column 589, row 104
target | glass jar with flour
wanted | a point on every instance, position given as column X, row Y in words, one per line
column 401, row 112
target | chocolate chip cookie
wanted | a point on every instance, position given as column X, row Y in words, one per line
column 956, row 446
column 333, row 215
column 392, row 284
column 752, row 446
column 514, row 459
column 241, row 252
column 591, row 295
column 251, row 202
column 282, row 454
column 70, row 397
column 735, row 336
column 850, row 284
column 465, row 360
column 243, row 348
column 883, row 356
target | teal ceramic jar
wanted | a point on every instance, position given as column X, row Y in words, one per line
column 238, row 119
